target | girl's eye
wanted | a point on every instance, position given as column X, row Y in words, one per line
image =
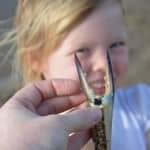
column 117, row 44
column 83, row 50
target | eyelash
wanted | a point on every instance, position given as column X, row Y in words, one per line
column 81, row 50
column 117, row 44
column 113, row 46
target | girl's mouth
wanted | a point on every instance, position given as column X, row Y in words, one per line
column 99, row 88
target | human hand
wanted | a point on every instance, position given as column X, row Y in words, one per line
column 33, row 120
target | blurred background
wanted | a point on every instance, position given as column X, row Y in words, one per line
column 138, row 21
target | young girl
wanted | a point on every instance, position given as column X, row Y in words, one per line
column 50, row 32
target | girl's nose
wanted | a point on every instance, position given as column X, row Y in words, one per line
column 99, row 61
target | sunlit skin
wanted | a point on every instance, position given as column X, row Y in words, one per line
column 102, row 30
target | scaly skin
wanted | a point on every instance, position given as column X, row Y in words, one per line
column 102, row 131
column 99, row 136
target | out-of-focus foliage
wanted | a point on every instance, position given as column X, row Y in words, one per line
column 138, row 21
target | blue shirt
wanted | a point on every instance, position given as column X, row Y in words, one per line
column 131, row 117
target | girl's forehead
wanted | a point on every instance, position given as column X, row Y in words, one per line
column 103, row 25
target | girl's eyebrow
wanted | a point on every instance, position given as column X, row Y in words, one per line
column 78, row 46
column 89, row 44
column 121, row 36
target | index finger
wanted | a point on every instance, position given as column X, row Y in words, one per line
column 33, row 95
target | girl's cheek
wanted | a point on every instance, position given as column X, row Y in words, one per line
column 86, row 65
column 120, row 67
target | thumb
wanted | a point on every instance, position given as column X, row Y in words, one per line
column 83, row 119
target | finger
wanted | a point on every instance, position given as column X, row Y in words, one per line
column 78, row 140
column 60, row 104
column 81, row 119
column 84, row 104
column 32, row 95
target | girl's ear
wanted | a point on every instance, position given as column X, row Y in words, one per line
column 35, row 62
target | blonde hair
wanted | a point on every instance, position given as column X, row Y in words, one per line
column 41, row 25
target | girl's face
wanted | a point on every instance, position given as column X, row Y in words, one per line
column 101, row 31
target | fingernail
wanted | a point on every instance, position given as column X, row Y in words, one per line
column 96, row 114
